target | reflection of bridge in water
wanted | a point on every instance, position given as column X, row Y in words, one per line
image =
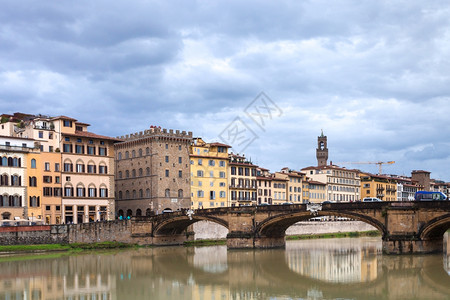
column 300, row 271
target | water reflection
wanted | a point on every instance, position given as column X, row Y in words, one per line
column 311, row 269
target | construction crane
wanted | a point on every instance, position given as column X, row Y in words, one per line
column 379, row 163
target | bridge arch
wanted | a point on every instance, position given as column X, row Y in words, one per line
column 179, row 224
column 435, row 228
column 276, row 226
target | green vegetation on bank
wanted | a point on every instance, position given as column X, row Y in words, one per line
column 333, row 235
column 205, row 243
column 64, row 247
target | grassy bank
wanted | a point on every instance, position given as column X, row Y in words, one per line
column 333, row 235
column 205, row 243
column 63, row 247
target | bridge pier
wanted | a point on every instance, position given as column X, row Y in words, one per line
column 403, row 245
column 173, row 239
column 246, row 240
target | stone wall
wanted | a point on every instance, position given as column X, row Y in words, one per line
column 32, row 235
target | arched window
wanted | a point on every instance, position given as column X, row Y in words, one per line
column 141, row 193
column 103, row 191
column 4, row 161
column 127, row 174
column 119, row 156
column 133, row 154
column 120, row 174
column 127, row 155
column 15, row 180
column 81, row 191
column 33, row 181
column 148, row 212
column 138, row 212
column 33, row 163
column 129, row 213
column 127, row 194
column 120, row 213
column 147, row 193
column 5, row 201
column 15, row 162
column 133, row 173
column 141, row 172
column 147, row 151
column 120, row 195
column 167, row 193
column 134, row 194
column 148, row 171
column 180, row 193
column 4, row 179
column 140, row 152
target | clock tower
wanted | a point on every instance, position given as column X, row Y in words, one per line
column 322, row 150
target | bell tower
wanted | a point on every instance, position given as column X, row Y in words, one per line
column 322, row 150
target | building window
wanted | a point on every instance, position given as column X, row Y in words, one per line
column 211, row 163
column 91, row 169
column 91, row 151
column 222, row 194
column 80, row 192
column 103, row 192
column 200, row 161
column 68, row 192
column 47, row 179
column 167, row 173
column 33, row 163
column 33, row 181
column 56, row 167
column 233, row 170
column 68, row 167
column 57, row 179
column 180, row 173
column 80, row 168
column 200, row 194
column 167, row 159
column 221, row 163
column 67, row 123
column 102, row 169
column 67, row 148
column 180, row 160
column 34, row 201
column 41, row 134
column 167, row 193
column 199, row 173
column 212, row 195
column 167, row 146
column 101, row 151
column 47, row 166
column 222, row 174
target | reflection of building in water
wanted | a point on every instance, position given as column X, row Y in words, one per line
column 447, row 252
column 332, row 263
column 211, row 259
column 89, row 286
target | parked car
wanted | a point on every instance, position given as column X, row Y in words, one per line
column 371, row 199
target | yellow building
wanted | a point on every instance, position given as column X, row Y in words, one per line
column 317, row 191
column 379, row 186
column 294, row 184
column 242, row 181
column 279, row 188
column 209, row 176
column 51, row 187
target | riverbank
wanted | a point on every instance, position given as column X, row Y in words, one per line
column 17, row 249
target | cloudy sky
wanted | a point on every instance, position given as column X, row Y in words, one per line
column 374, row 75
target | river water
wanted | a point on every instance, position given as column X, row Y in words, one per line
column 347, row 268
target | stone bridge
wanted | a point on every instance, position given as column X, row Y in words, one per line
column 406, row 227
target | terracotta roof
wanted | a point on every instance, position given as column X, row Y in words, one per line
column 263, row 178
column 92, row 135
column 220, row 145
column 316, row 182
column 81, row 123
column 64, row 118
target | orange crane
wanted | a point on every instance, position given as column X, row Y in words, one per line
column 379, row 163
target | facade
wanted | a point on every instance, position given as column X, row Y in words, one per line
column 343, row 185
column 152, row 172
column 209, row 174
column 317, row 191
column 294, row 184
column 14, row 203
column 264, row 183
column 422, row 178
column 379, row 186
column 242, row 181
column 76, row 168
column 279, row 188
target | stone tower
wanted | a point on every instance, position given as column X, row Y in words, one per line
column 322, row 150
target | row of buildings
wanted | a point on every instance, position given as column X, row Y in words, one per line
column 53, row 170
